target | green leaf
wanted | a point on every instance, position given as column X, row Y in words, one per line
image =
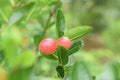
column 60, row 71
column 80, row 71
column 60, row 23
column 20, row 12
column 51, row 56
column 58, row 4
column 62, row 55
column 37, row 39
column 76, row 45
column 26, row 59
column 78, row 32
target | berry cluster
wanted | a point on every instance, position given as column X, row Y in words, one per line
column 49, row 45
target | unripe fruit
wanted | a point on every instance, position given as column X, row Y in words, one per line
column 47, row 46
column 64, row 41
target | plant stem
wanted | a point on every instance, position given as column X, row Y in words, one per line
column 55, row 56
column 48, row 21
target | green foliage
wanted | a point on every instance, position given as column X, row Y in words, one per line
column 62, row 54
column 78, row 32
column 60, row 24
column 60, row 71
column 22, row 31
column 24, row 23
column 51, row 56
column 19, row 12
column 76, row 45
column 37, row 39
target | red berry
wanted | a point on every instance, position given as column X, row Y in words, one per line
column 47, row 46
column 64, row 41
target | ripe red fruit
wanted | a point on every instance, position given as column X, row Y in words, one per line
column 64, row 41
column 47, row 46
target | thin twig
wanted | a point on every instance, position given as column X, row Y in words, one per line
column 55, row 56
column 48, row 21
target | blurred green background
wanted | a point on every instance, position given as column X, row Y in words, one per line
column 101, row 46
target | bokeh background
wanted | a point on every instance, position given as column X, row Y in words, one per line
column 101, row 46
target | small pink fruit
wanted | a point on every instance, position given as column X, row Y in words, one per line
column 47, row 46
column 64, row 41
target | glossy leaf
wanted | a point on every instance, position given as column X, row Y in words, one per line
column 60, row 23
column 37, row 39
column 78, row 32
column 60, row 71
column 62, row 55
column 76, row 45
column 51, row 56
column 80, row 71
column 20, row 12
